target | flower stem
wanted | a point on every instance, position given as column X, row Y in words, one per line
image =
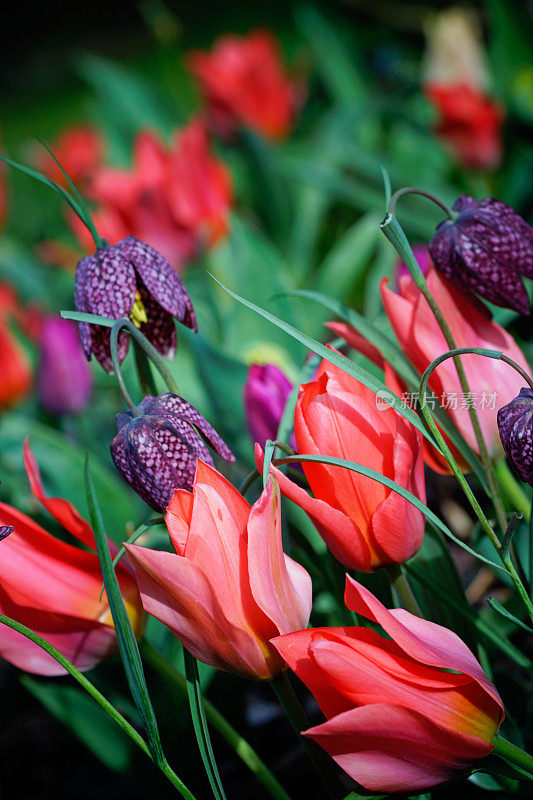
column 298, row 718
column 402, row 590
column 511, row 752
column 512, row 489
column 244, row 750
column 413, row 190
column 394, row 233
column 113, row 344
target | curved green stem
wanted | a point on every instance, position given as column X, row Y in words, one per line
column 299, row 721
column 401, row 588
column 150, row 351
column 413, row 190
column 511, row 752
column 241, row 747
column 100, row 699
column 113, row 344
column 512, row 489
column 394, row 233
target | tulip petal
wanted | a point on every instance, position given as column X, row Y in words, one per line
column 357, row 341
column 420, row 639
column 177, row 592
column 388, row 748
column 338, row 531
column 63, row 511
column 178, row 518
column 270, row 581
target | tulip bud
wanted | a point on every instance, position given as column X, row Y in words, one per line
column 64, row 378
column 265, row 394
column 133, row 280
column 157, row 447
column 515, row 423
column 486, row 249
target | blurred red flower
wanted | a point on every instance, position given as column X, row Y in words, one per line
column 470, row 122
column 175, row 198
column 79, row 149
column 15, row 367
column 243, row 82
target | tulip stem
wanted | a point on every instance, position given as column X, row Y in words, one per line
column 394, row 233
column 413, row 190
column 512, row 753
column 244, row 750
column 299, row 721
column 403, row 594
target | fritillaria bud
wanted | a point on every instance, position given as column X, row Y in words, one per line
column 130, row 279
column 515, row 422
column 157, row 447
column 265, row 395
column 64, row 377
column 487, row 249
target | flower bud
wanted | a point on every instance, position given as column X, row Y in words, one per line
column 515, row 423
column 265, row 394
column 130, row 279
column 157, row 447
column 64, row 378
column 486, row 249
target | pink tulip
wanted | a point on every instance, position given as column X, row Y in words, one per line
column 229, row 588
column 54, row 588
column 365, row 524
column 492, row 383
column 403, row 714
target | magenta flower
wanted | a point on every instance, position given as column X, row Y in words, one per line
column 486, row 249
column 131, row 279
column 64, row 379
column 515, row 422
column 157, row 447
column 265, row 394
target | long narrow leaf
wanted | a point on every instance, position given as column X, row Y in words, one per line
column 507, row 614
column 356, row 371
column 194, row 692
column 127, row 643
column 413, row 499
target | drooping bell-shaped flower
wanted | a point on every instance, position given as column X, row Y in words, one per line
column 487, row 249
column 515, row 423
column 64, row 377
column 131, row 279
column 157, row 448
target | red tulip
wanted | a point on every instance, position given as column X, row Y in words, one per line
column 244, row 83
column 470, row 122
column 54, row 588
column 15, row 367
column 78, row 149
column 403, row 714
column 176, row 198
column 229, row 588
column 365, row 524
column 492, row 383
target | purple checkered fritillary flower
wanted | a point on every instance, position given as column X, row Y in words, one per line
column 487, row 249
column 157, row 447
column 130, row 279
column 515, row 423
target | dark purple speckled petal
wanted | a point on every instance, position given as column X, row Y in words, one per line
column 160, row 329
column 171, row 405
column 101, row 346
column 5, row 530
column 108, row 282
column 515, row 423
column 158, row 276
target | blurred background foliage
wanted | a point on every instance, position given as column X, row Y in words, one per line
column 306, row 214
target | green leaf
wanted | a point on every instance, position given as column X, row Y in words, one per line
column 390, row 484
column 127, row 643
column 507, row 614
column 339, row 360
column 87, row 720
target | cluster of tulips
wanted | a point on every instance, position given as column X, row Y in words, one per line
column 406, row 703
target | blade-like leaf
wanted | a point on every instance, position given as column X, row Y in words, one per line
column 356, row 371
column 507, row 614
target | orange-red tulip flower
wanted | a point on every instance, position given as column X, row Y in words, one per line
column 365, row 524
column 243, row 82
column 492, row 383
column 229, row 588
column 54, row 588
column 404, row 713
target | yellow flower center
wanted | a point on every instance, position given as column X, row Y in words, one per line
column 138, row 312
